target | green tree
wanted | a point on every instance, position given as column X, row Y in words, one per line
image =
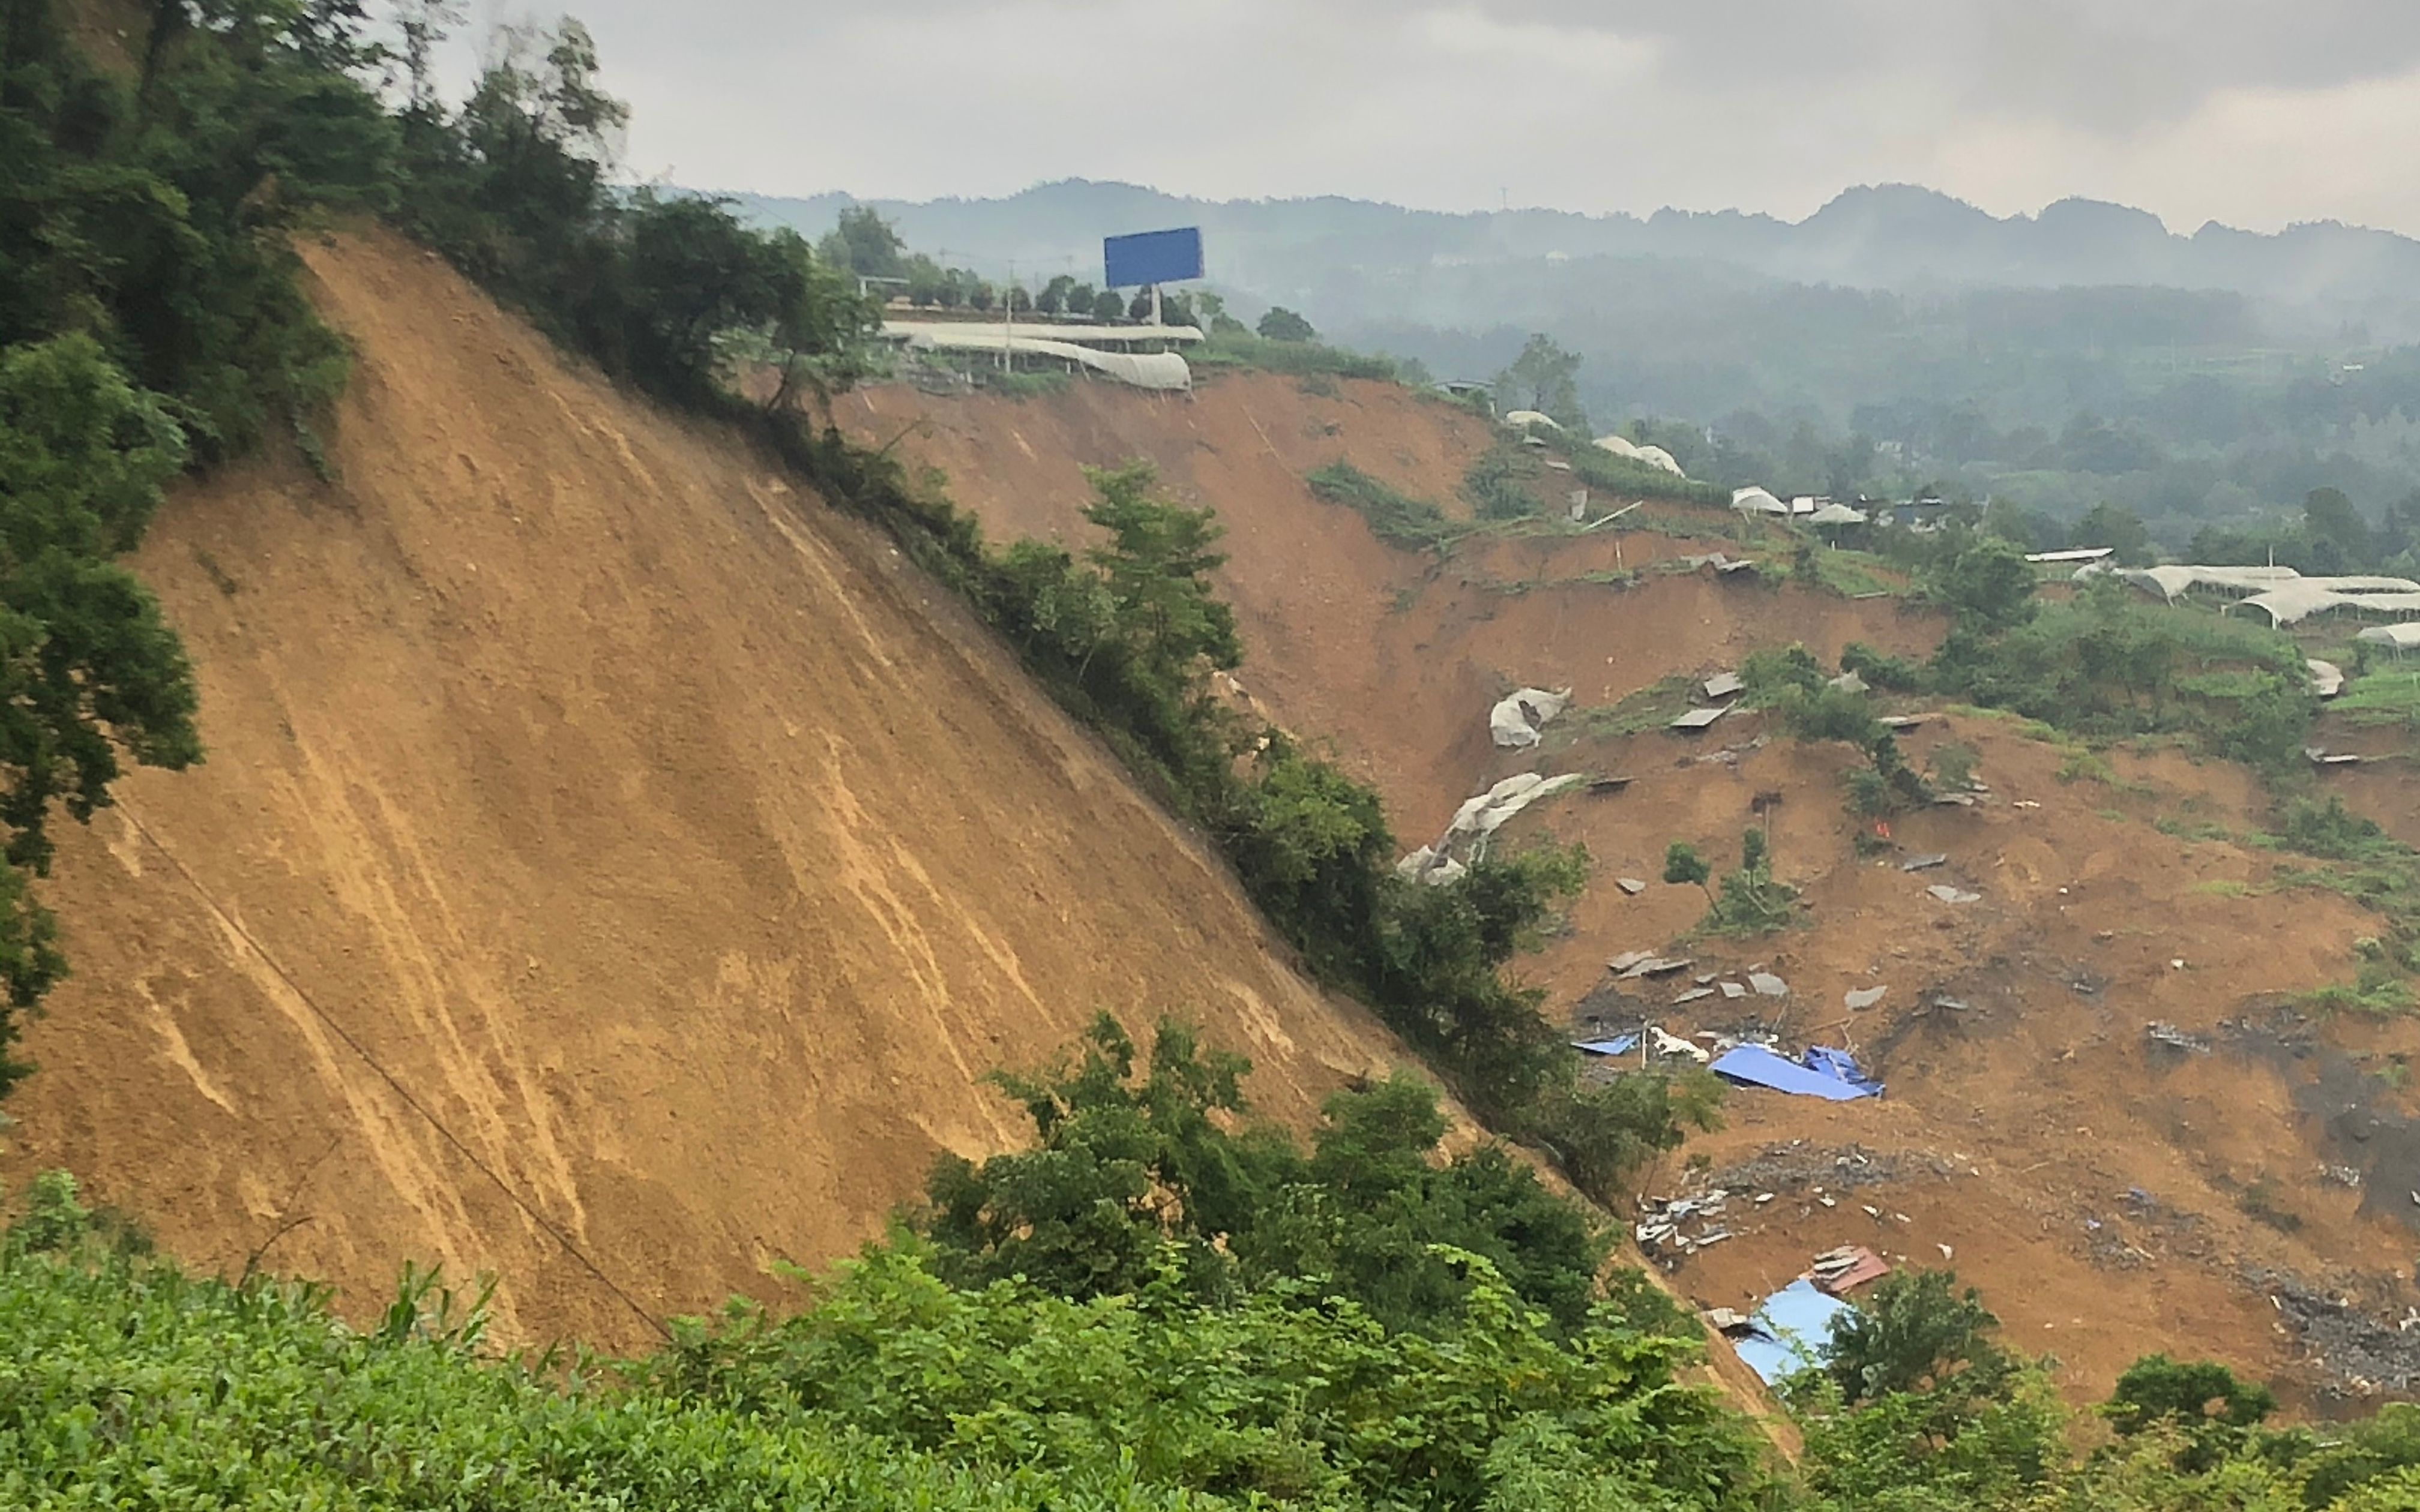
column 865, row 244
column 2155, row 1389
column 87, row 666
column 1281, row 324
column 1916, row 1332
column 1684, row 866
column 1108, row 306
column 1544, row 378
column 2117, row 527
column 1989, row 585
column 2339, row 536
column 1157, row 563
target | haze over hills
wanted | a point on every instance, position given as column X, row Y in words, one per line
column 1981, row 353
column 1899, row 237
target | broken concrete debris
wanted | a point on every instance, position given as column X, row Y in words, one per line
column 1699, row 719
column 1515, row 721
column 1693, row 995
column 1923, row 863
column 1732, row 989
column 1723, row 684
column 1768, row 985
column 2160, row 1032
column 1858, row 1000
column 1630, row 884
column 1953, row 895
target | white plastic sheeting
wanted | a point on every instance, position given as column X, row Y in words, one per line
column 1516, row 720
column 1040, row 330
column 1655, row 456
column 1753, row 501
column 1164, row 371
column 1486, row 813
column 2292, row 603
column 1523, row 419
column 1479, row 817
column 1619, row 445
column 2327, row 678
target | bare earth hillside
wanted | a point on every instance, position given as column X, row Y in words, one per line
column 673, row 846
column 1393, row 655
column 2244, row 1189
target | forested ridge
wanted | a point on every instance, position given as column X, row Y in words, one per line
column 1162, row 1302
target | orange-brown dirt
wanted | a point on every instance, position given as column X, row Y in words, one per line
column 2022, row 1126
column 1395, row 655
column 682, row 851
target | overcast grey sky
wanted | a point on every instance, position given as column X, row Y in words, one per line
column 2252, row 111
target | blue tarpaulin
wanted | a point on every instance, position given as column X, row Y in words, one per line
column 1621, row 1044
column 1791, row 1332
column 1831, row 1074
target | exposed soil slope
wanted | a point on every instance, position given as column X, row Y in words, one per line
column 2025, row 1123
column 2111, row 1195
column 682, row 851
column 1393, row 655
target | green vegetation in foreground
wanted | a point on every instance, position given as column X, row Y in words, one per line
column 1394, row 517
column 126, row 1383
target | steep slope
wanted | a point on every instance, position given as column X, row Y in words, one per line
column 1393, row 655
column 657, row 832
column 2113, row 1193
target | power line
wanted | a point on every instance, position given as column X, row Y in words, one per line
column 392, row 1080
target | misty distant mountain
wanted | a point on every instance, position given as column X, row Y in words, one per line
column 2083, row 354
column 1366, row 257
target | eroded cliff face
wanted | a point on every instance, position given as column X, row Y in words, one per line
column 599, row 838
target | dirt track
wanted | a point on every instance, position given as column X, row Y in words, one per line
column 688, row 857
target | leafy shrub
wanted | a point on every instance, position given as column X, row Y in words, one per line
column 1396, row 518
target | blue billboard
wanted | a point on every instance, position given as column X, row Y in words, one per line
column 1152, row 257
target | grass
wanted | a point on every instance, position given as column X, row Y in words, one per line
column 1300, row 359
column 1651, row 707
column 2375, row 994
column 2382, row 698
column 2224, row 887
column 1396, row 518
column 1854, row 573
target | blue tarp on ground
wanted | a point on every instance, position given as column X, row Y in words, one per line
column 1621, row 1044
column 1792, row 1331
column 1832, row 1074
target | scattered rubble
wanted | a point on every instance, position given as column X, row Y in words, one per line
column 2361, row 1354
column 1843, row 1270
column 2161, row 1032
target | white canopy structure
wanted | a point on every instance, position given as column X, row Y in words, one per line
column 1655, row 456
column 2401, row 637
column 2090, row 553
column 1755, row 501
column 1523, row 419
column 2170, row 583
column 1165, row 372
column 1836, row 514
column 1618, row 444
column 2293, row 602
